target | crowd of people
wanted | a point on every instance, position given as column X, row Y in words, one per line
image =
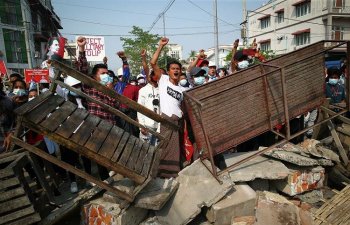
column 158, row 89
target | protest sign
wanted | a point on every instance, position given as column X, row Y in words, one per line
column 3, row 70
column 94, row 48
column 36, row 75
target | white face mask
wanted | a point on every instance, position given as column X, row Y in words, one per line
column 244, row 64
column 183, row 82
column 31, row 98
column 141, row 81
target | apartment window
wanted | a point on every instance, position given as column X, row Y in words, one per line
column 175, row 54
column 265, row 46
column 302, row 9
column 10, row 12
column 264, row 23
column 338, row 3
column 15, row 46
column 337, row 33
column 280, row 17
column 302, row 38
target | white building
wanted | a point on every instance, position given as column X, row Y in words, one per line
column 224, row 50
column 175, row 51
column 286, row 25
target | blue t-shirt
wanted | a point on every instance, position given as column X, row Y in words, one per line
column 335, row 92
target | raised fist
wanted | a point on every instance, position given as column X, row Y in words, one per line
column 163, row 41
column 121, row 54
column 143, row 53
column 235, row 44
column 81, row 41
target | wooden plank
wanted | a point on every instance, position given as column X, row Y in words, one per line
column 72, row 123
column 32, row 104
column 128, row 148
column 111, row 142
column 74, row 170
column 9, row 183
column 8, row 159
column 141, row 158
column 6, row 173
column 99, row 136
column 40, row 112
column 58, row 116
column 16, row 215
column 14, row 204
column 11, row 193
column 27, row 220
column 148, row 161
column 336, row 139
column 84, row 132
column 135, row 154
column 120, row 147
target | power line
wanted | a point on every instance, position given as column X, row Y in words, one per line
column 171, row 2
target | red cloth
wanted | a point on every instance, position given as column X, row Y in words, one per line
column 33, row 137
column 132, row 92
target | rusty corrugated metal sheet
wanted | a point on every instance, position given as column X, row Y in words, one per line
column 234, row 108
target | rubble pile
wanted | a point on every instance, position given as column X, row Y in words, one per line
column 285, row 185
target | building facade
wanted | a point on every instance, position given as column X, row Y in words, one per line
column 286, row 25
column 175, row 51
column 25, row 28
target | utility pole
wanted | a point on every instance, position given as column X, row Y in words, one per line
column 216, row 33
column 165, row 52
column 244, row 23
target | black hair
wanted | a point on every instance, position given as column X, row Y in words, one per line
column 173, row 62
column 33, row 89
column 111, row 73
column 333, row 71
column 16, row 75
column 98, row 66
column 21, row 81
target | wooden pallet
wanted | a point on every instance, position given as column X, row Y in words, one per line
column 16, row 199
column 90, row 136
column 335, row 211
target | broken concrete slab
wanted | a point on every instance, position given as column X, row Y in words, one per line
column 156, row 193
column 239, row 202
column 243, row 220
column 197, row 188
column 301, row 180
column 275, row 209
column 100, row 211
column 311, row 197
column 259, row 185
column 258, row 167
column 296, row 158
column 315, row 148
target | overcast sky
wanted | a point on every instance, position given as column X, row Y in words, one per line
column 187, row 22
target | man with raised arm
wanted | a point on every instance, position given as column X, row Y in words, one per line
column 170, row 94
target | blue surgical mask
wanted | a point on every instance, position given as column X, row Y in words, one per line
column 19, row 92
column 243, row 65
column 199, row 80
column 183, row 82
column 333, row 81
column 105, row 79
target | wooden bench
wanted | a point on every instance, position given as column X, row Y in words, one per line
column 16, row 197
column 92, row 137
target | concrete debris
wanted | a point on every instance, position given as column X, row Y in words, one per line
column 239, row 202
column 243, row 220
column 298, row 158
column 315, row 148
column 151, row 221
column 311, row 197
column 156, row 193
column 197, row 188
column 100, row 211
column 260, row 185
column 301, row 180
column 258, row 167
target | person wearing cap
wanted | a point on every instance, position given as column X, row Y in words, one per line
column 171, row 96
column 211, row 72
column 197, row 75
column 123, row 74
column 141, row 80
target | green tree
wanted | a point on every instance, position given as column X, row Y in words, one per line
column 133, row 45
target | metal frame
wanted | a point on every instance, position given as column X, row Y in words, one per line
column 286, row 137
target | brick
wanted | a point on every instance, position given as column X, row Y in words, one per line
column 239, row 202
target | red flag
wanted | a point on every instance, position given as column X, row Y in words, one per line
column 188, row 146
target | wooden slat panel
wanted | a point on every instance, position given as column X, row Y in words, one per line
column 58, row 116
column 27, row 220
column 98, row 137
column 127, row 151
column 71, row 124
column 148, row 161
column 120, row 147
column 40, row 112
column 140, row 160
column 32, row 104
column 9, row 183
column 6, row 173
column 111, row 142
column 16, row 215
column 14, row 204
column 135, row 154
column 84, row 132
column 11, row 193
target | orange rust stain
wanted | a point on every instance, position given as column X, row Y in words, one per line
column 93, row 212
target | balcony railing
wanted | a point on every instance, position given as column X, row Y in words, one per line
column 343, row 9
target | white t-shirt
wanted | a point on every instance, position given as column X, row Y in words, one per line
column 170, row 97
